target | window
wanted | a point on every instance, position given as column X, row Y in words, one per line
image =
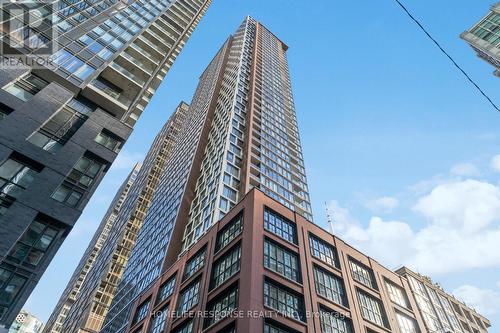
column 5, row 111
column 226, row 266
column 5, row 203
column 16, row 173
column 281, row 260
column 188, row 297
column 222, row 307
column 78, row 181
column 406, row 324
column 158, row 321
column 107, row 87
column 166, row 289
column 329, row 286
column 85, row 171
column 10, row 286
column 333, row 322
column 186, row 328
column 194, row 264
column 26, row 87
column 362, row 274
column 32, row 246
column 323, row 251
column 231, row 328
column 68, row 194
column 229, row 232
column 397, row 294
column 274, row 328
column 141, row 312
column 371, row 309
column 58, row 129
column 488, row 29
column 108, row 140
column 283, row 301
column 280, row 226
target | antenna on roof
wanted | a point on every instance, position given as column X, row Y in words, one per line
column 329, row 217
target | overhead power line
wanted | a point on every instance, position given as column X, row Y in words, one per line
column 481, row 91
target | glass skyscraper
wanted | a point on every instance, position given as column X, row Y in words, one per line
column 62, row 123
column 87, row 298
column 241, row 133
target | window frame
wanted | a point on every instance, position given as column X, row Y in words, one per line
column 269, row 242
column 230, row 254
column 293, row 238
column 194, row 264
column 335, row 259
column 356, row 276
column 369, row 308
column 300, row 311
column 233, row 229
column 339, row 295
column 193, row 300
column 33, row 241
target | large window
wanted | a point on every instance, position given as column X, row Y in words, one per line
column 61, row 126
column 226, row 266
column 85, row 171
column 229, row 232
column 185, row 328
column 32, row 246
column 280, row 226
column 10, row 286
column 281, row 260
column 16, row 174
column 329, row 286
column 397, row 294
column 26, row 87
column 273, row 328
column 188, row 297
column 158, row 321
column 79, row 180
column 141, row 312
column 166, row 289
column 222, row 307
column 333, row 322
column 58, row 130
column 109, row 140
column 323, row 251
column 284, row 301
column 372, row 309
column 362, row 274
column 406, row 324
column 194, row 264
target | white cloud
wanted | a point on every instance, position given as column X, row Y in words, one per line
column 462, row 231
column 495, row 163
column 383, row 204
column 485, row 301
column 126, row 160
column 469, row 205
column 465, row 169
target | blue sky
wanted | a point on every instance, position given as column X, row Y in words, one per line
column 396, row 142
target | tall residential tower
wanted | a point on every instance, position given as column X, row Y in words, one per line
column 89, row 294
column 63, row 123
column 241, row 133
column 74, row 286
column 484, row 38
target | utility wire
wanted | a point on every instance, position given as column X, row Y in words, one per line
column 448, row 55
